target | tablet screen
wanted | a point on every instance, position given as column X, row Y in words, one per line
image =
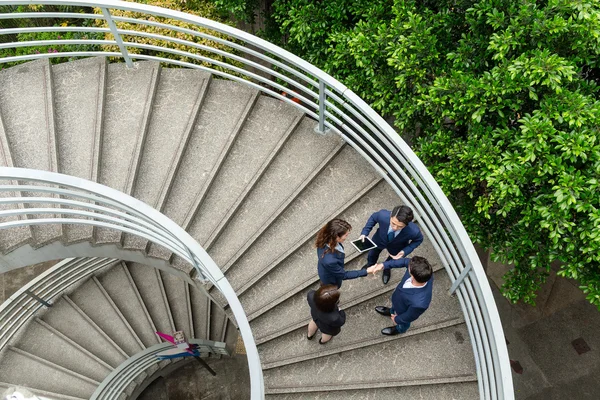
column 363, row 246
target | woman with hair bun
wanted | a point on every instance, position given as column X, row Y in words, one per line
column 330, row 253
column 325, row 313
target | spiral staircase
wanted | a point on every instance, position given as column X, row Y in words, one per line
column 248, row 178
column 248, row 151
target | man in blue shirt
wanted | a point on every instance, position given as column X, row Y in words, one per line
column 411, row 297
column 396, row 233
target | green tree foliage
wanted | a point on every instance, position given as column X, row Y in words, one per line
column 503, row 95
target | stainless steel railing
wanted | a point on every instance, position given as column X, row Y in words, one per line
column 19, row 308
column 233, row 54
column 83, row 202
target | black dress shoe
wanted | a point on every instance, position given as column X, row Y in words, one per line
column 390, row 331
column 386, row 276
column 366, row 266
column 383, row 311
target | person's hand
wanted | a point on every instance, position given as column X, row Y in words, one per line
column 393, row 316
column 374, row 268
column 398, row 256
column 362, row 238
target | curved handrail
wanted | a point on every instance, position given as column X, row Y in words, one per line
column 19, row 308
column 335, row 107
column 128, row 215
column 119, row 379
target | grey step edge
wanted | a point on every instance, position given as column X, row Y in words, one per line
column 252, row 183
column 359, row 344
column 375, row 384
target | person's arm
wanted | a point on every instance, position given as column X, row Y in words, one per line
column 337, row 268
column 413, row 243
column 371, row 222
column 411, row 314
column 340, row 320
column 399, row 263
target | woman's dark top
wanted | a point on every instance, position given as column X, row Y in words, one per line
column 327, row 322
column 331, row 267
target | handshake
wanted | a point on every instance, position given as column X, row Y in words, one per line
column 373, row 269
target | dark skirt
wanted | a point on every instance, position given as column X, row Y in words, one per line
column 329, row 323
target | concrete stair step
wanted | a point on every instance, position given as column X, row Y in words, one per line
column 261, row 137
column 177, row 293
column 300, row 160
column 42, row 394
column 17, row 366
column 151, row 288
column 200, row 313
column 30, row 137
column 218, row 323
column 276, row 286
column 231, row 337
column 451, row 388
column 363, row 326
column 178, row 99
column 348, row 177
column 129, row 98
column 358, row 291
column 75, row 325
column 121, row 288
column 79, row 90
column 222, row 116
column 45, row 342
column 94, row 301
column 428, row 356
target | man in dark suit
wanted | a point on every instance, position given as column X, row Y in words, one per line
column 396, row 233
column 411, row 297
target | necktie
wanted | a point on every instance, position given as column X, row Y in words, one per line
column 391, row 236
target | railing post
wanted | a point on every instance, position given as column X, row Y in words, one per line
column 37, row 298
column 460, row 279
column 117, row 35
column 321, row 129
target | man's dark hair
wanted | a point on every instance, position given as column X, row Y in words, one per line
column 327, row 297
column 420, row 269
column 403, row 214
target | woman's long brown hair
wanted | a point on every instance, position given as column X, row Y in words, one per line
column 330, row 232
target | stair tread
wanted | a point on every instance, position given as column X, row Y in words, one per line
column 43, row 343
column 362, row 323
column 174, row 105
column 78, row 104
column 200, row 313
column 25, row 130
column 220, row 112
column 429, row 355
column 263, row 129
column 303, row 152
column 124, row 117
column 462, row 391
column 345, row 177
column 148, row 285
column 116, row 282
column 16, row 369
column 64, row 319
column 94, row 304
column 302, row 265
column 175, row 290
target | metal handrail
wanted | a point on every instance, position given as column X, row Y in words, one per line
column 19, row 308
column 127, row 215
column 337, row 109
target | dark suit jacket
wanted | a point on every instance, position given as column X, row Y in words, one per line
column 409, row 304
column 328, row 323
column 409, row 238
column 331, row 268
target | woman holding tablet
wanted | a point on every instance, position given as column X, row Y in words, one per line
column 330, row 253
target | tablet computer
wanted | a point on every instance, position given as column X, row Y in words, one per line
column 363, row 246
